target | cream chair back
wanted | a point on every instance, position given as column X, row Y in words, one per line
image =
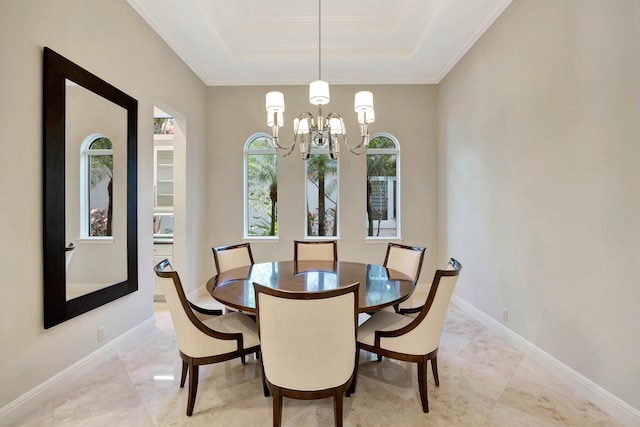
column 405, row 259
column 192, row 340
column 229, row 257
column 308, row 340
column 424, row 332
column 315, row 250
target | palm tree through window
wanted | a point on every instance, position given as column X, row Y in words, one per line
column 99, row 208
column 261, row 187
column 383, row 189
column 322, row 195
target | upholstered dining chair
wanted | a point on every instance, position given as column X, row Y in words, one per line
column 229, row 257
column 225, row 258
column 216, row 339
column 308, row 343
column 315, row 250
column 413, row 339
column 408, row 260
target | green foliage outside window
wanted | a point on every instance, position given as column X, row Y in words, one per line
column 322, row 213
column 381, row 178
column 100, row 173
column 262, row 190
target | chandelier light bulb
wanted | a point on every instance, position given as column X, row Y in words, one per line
column 301, row 126
column 363, row 102
column 365, row 118
column 319, row 92
column 275, row 102
column 336, row 126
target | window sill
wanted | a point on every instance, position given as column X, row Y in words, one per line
column 373, row 239
column 261, row 239
column 95, row 240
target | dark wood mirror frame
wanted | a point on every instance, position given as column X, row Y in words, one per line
column 57, row 308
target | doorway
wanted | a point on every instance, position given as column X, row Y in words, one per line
column 169, row 155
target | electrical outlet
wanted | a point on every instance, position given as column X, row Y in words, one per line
column 100, row 333
column 505, row 314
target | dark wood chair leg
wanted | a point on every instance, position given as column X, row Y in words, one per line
column 265, row 388
column 184, row 373
column 193, row 387
column 338, row 402
column 422, row 384
column 277, row 408
column 352, row 386
column 434, row 369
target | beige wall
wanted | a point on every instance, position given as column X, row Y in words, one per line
column 540, row 181
column 407, row 112
column 112, row 41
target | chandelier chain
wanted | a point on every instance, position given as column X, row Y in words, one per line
column 319, row 40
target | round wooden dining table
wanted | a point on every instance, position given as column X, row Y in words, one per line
column 379, row 286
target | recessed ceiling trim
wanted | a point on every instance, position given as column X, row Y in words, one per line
column 246, row 42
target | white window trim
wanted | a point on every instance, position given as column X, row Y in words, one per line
column 245, row 169
column 395, row 151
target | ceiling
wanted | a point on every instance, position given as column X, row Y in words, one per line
column 258, row 42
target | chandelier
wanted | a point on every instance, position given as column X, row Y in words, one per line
column 321, row 132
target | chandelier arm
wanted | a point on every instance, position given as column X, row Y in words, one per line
column 305, row 138
column 289, row 148
column 353, row 150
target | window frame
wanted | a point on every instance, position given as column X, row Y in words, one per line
column 245, row 177
column 398, row 192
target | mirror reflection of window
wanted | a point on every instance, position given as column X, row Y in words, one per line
column 98, row 158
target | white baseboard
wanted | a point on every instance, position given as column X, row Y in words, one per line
column 615, row 407
column 35, row 398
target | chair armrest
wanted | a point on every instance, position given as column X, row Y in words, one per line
column 202, row 310
column 412, row 310
column 395, row 332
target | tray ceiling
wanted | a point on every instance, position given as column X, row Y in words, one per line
column 254, row 42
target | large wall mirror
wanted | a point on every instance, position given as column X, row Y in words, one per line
column 90, row 191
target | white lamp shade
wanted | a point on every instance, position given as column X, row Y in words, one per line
column 319, row 92
column 363, row 102
column 371, row 117
column 275, row 102
column 336, row 126
column 302, row 126
column 270, row 119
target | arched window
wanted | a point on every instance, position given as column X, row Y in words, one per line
column 96, row 187
column 383, row 187
column 321, row 195
column 260, row 187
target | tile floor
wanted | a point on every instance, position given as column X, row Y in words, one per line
column 484, row 381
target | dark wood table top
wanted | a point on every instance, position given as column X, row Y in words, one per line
column 379, row 286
